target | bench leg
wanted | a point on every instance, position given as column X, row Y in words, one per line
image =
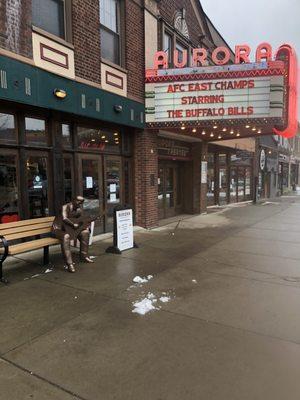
column 2, row 279
column 46, row 255
column 3, row 258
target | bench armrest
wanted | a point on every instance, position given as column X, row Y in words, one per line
column 6, row 246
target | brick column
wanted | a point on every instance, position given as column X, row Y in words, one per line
column 203, row 190
column 145, row 178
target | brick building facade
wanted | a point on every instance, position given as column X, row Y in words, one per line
column 72, row 110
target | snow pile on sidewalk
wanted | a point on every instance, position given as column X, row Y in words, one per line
column 149, row 303
column 139, row 279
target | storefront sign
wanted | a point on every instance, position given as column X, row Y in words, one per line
column 220, row 56
column 124, row 221
column 262, row 159
column 204, row 172
column 173, row 149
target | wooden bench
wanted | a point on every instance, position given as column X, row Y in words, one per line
column 27, row 229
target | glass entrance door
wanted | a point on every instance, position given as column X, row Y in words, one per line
column 169, row 190
column 38, row 184
column 241, row 184
column 112, row 185
column 90, row 172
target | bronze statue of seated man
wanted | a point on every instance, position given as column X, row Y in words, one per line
column 70, row 225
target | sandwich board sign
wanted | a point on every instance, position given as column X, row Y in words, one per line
column 123, row 231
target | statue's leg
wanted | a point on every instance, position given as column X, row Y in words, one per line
column 84, row 239
column 66, row 248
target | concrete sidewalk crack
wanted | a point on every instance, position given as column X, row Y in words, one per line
column 33, row 374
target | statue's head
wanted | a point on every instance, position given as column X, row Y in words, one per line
column 78, row 201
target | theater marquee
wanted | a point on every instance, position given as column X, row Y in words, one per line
column 261, row 94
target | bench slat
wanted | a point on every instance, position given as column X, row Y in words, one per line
column 25, row 222
column 20, row 235
column 33, row 245
column 10, row 231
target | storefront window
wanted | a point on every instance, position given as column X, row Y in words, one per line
column 35, row 131
column 66, row 136
column 37, row 183
column 8, row 189
column 68, row 179
column 7, row 128
column 96, row 139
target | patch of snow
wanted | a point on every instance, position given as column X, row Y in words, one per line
column 150, row 296
column 35, row 276
column 48, row 271
column 139, row 279
column 194, row 281
column 143, row 307
column 93, row 257
column 165, row 299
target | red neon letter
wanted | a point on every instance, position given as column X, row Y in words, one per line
column 225, row 54
column 183, row 63
column 199, row 57
column 264, row 52
column 160, row 60
column 242, row 54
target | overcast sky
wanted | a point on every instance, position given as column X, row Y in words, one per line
column 256, row 21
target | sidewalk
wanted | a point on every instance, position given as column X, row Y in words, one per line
column 225, row 323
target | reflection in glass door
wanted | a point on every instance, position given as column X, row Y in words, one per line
column 37, row 185
column 91, row 188
column 247, row 183
column 222, row 179
column 241, row 184
column 161, row 207
column 169, row 190
column 9, row 210
column 233, row 185
column 113, row 173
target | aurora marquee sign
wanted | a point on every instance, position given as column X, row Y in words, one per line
column 264, row 90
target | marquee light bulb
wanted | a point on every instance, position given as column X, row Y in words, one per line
column 203, row 133
column 183, row 128
column 231, row 132
column 259, row 131
column 219, row 137
column 247, row 126
column 238, row 134
column 212, row 135
column 224, row 129
column 215, row 126
column 254, row 129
